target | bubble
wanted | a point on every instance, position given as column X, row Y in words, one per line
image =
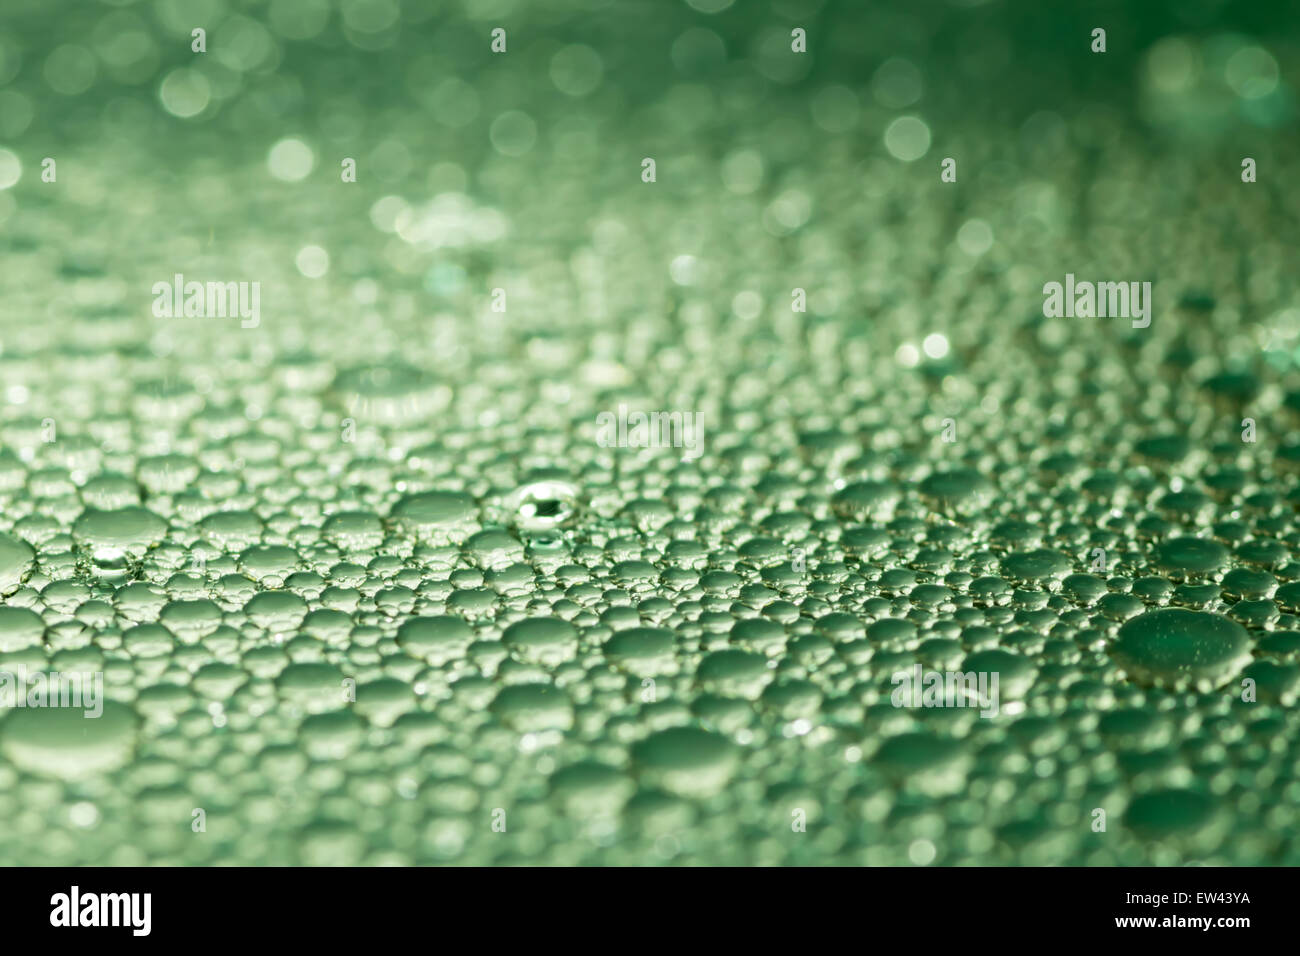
column 589, row 788
column 742, row 171
column 921, row 852
column 513, row 133
column 643, row 651
column 835, row 109
column 16, row 559
column 84, row 815
column 391, row 393
column 20, row 628
column 543, row 505
column 63, row 742
column 686, row 761
column 332, row 736
column 975, row 237
column 298, row 19
column 576, row 70
column 436, row 640
column 276, row 610
column 11, row 169
column 935, row 345
column 897, row 84
column 907, row 138
column 907, row 355
column 1177, row 648
column 120, row 531
column 16, row 113
column 185, row 92
column 316, row 687
column 684, row 270
column 788, row 211
column 354, row 530
column 70, row 69
column 863, row 499
column 454, row 102
column 1036, row 567
column 697, row 50
column 734, row 673
column 451, row 515
column 541, row 640
column 529, row 708
column 243, row 45
column 747, row 304
column 1172, row 65
column 312, row 261
column 1191, row 556
column 1169, row 813
column 1251, row 72
column 291, row 160
column 370, row 16
column 925, row 762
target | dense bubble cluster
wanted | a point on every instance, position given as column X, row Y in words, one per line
column 365, row 586
column 450, row 642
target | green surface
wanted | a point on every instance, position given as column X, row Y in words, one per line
column 363, row 585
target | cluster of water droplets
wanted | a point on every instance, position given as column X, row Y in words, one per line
column 364, row 588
